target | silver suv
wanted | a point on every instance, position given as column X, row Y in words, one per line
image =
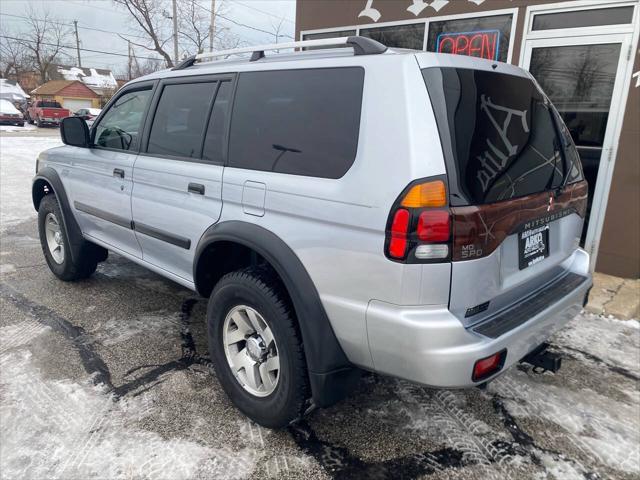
column 346, row 209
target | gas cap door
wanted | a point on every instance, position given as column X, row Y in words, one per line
column 253, row 194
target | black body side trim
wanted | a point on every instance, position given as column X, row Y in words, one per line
column 331, row 374
column 536, row 303
column 138, row 227
column 109, row 217
column 162, row 235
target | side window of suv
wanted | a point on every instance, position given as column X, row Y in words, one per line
column 120, row 126
column 215, row 139
column 180, row 119
column 301, row 122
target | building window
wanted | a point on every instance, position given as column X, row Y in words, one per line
column 399, row 36
column 583, row 18
column 484, row 37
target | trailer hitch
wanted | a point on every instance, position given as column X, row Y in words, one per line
column 542, row 360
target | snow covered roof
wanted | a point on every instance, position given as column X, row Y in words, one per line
column 10, row 90
column 94, row 78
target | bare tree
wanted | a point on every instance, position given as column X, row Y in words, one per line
column 195, row 26
column 44, row 40
column 152, row 18
column 276, row 27
column 14, row 58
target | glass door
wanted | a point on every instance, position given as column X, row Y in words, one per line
column 582, row 77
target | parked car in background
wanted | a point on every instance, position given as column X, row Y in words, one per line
column 9, row 114
column 88, row 113
column 46, row 112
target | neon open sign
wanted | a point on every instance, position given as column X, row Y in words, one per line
column 482, row 43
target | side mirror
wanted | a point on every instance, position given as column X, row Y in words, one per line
column 74, row 132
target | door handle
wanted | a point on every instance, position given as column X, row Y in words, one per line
column 196, row 188
column 118, row 172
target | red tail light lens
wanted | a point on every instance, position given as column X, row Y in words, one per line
column 485, row 367
column 434, row 226
column 399, row 230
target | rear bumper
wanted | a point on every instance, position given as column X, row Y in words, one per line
column 429, row 345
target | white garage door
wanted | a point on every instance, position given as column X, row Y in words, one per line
column 75, row 104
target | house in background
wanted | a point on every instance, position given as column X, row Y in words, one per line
column 71, row 94
column 99, row 80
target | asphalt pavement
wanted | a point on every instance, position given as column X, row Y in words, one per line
column 110, row 378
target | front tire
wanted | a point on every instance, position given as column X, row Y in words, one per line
column 54, row 242
column 256, row 348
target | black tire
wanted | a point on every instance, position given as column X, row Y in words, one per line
column 38, row 123
column 69, row 269
column 260, row 289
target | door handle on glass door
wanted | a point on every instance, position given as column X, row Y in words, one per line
column 118, row 172
column 196, row 188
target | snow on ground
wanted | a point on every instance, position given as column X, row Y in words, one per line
column 76, row 431
column 583, row 422
column 17, row 168
column 14, row 128
column 615, row 341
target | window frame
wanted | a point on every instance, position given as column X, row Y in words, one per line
column 155, row 101
column 359, row 128
column 437, row 18
column 125, row 90
column 579, row 5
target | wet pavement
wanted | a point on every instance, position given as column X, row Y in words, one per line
column 110, row 378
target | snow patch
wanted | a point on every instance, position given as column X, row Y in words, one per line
column 63, row 429
column 14, row 128
column 119, row 330
column 17, row 168
column 601, row 427
column 614, row 341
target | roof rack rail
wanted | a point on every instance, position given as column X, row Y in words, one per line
column 360, row 45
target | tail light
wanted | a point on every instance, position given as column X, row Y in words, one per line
column 419, row 224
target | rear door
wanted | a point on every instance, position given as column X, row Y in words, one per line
column 177, row 192
column 515, row 185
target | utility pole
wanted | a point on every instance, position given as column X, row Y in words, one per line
column 175, row 33
column 211, row 27
column 129, row 54
column 75, row 24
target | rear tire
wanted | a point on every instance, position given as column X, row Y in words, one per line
column 54, row 242
column 269, row 396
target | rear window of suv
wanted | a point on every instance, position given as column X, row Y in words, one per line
column 301, row 122
column 501, row 137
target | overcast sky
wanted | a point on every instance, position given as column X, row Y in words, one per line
column 104, row 15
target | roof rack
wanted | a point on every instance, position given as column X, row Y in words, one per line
column 360, row 45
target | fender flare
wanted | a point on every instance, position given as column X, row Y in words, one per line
column 331, row 375
column 71, row 227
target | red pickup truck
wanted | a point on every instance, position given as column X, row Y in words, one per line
column 46, row 112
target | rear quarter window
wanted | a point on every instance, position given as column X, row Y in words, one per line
column 300, row 122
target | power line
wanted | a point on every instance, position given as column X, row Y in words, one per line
column 264, row 11
column 113, row 32
column 239, row 23
column 73, row 48
column 57, row 22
